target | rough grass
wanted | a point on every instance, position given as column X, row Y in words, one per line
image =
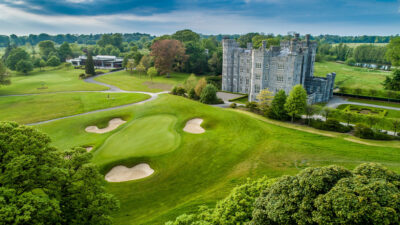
column 205, row 167
column 35, row 108
column 132, row 81
column 51, row 80
column 352, row 77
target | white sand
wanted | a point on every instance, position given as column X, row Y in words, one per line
column 89, row 148
column 123, row 173
column 193, row 126
column 112, row 125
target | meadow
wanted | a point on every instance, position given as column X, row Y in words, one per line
column 58, row 79
column 196, row 169
column 133, row 81
column 351, row 76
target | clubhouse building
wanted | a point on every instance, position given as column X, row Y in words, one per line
column 100, row 61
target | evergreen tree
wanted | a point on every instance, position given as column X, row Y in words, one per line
column 296, row 102
column 277, row 110
column 89, row 67
column 209, row 94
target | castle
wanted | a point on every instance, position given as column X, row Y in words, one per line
column 278, row 68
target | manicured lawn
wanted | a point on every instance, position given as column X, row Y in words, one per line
column 203, row 168
column 133, row 82
column 352, row 77
column 50, row 80
column 35, row 108
column 394, row 114
column 382, row 103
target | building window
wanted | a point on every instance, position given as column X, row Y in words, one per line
column 246, row 90
column 281, row 66
column 279, row 78
column 266, row 77
column 247, row 80
column 248, row 70
column 258, row 65
column 266, row 66
column 257, row 88
column 248, row 60
column 241, row 69
column 258, row 76
column 240, row 80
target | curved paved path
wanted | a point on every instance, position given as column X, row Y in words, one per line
column 336, row 101
column 112, row 89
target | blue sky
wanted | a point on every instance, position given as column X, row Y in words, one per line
column 343, row 17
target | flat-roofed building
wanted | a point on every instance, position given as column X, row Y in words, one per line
column 100, row 61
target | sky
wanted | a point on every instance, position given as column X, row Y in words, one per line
column 157, row 17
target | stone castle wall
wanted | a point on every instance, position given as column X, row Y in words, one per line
column 248, row 70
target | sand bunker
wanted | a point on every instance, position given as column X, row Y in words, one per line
column 193, row 126
column 90, row 148
column 112, row 125
column 123, row 173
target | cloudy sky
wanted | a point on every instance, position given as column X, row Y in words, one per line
column 344, row 17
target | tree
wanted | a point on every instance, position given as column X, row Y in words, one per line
column 215, row 63
column 310, row 111
column 326, row 111
column 247, row 38
column 296, row 102
column 277, row 110
column 332, row 195
column 146, row 61
column 42, row 64
column 53, row 61
column 64, row 51
column 41, row 185
column 141, row 69
column 46, row 47
column 24, row 66
column 393, row 82
column 265, row 98
column 209, row 94
column 16, row 55
column 201, row 84
column 393, row 51
column 152, row 72
column 396, row 125
column 3, row 75
column 186, row 36
column 166, row 53
column 190, row 82
column 130, row 65
column 89, row 66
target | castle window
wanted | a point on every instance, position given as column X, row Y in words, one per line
column 247, row 80
column 279, row 78
column 246, row 90
column 266, row 66
column 241, row 69
column 248, row 60
column 258, row 76
column 248, row 70
column 257, row 88
column 266, row 77
column 240, row 80
column 258, row 65
column 281, row 66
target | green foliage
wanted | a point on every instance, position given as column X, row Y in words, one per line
column 332, row 195
column 271, row 41
column 24, row 66
column 247, row 38
column 53, row 61
column 233, row 105
column 201, row 84
column 190, row 82
column 4, row 80
column 16, row 55
column 393, row 82
column 252, row 106
column 180, row 91
column 192, row 94
column 393, row 51
column 365, row 132
column 89, row 66
column 39, row 185
column 209, row 94
column 65, row 51
column 331, row 125
column 46, row 47
column 152, row 72
column 296, row 102
column 277, row 110
column 186, row 36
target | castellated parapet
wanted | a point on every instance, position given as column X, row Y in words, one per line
column 278, row 68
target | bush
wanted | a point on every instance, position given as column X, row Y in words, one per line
column 252, row 106
column 365, row 132
column 192, row 94
column 233, row 106
column 53, row 61
column 82, row 76
column 209, row 94
column 330, row 124
column 180, row 91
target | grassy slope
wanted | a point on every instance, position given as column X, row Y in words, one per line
column 56, row 80
column 352, row 77
column 34, row 108
column 206, row 166
column 133, row 82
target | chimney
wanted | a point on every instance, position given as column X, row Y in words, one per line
column 296, row 36
column 308, row 36
column 264, row 44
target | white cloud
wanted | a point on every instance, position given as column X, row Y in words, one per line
column 79, row 1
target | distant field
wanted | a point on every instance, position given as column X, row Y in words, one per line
column 352, row 77
column 135, row 82
column 353, row 45
column 35, row 108
column 50, row 80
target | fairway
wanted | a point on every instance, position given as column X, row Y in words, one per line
column 352, row 77
column 203, row 168
column 144, row 137
column 35, row 108
column 51, row 80
column 128, row 81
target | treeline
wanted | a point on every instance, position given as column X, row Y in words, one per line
column 88, row 39
column 332, row 39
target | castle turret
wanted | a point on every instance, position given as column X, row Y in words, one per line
column 228, row 47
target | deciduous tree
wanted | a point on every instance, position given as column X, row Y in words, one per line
column 166, row 53
column 296, row 102
column 277, row 110
column 152, row 72
column 201, row 84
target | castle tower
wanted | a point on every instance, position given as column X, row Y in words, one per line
column 228, row 47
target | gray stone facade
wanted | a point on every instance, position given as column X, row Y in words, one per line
column 280, row 67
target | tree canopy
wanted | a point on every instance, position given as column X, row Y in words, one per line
column 167, row 53
column 296, row 102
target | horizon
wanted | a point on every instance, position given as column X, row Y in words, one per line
column 344, row 18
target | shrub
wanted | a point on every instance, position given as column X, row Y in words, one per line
column 365, row 132
column 209, row 94
column 192, row 94
column 180, row 91
column 53, row 61
column 331, row 125
column 252, row 106
column 233, row 106
column 82, row 76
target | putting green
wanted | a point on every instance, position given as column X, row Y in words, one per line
column 144, row 137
